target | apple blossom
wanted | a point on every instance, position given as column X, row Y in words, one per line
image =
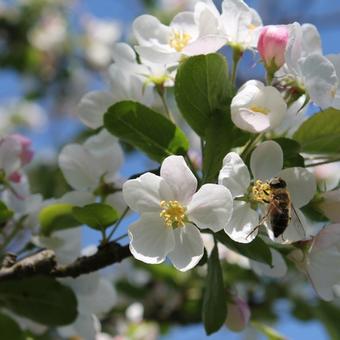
column 306, row 70
column 272, row 45
column 330, row 205
column 93, row 167
column 241, row 24
column 320, row 261
column 189, row 33
column 171, row 210
column 258, row 108
column 266, row 162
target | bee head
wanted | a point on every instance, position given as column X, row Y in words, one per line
column 277, row 183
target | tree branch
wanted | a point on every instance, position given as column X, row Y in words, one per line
column 44, row 263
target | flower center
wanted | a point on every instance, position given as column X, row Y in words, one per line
column 259, row 109
column 179, row 40
column 261, row 192
column 173, row 213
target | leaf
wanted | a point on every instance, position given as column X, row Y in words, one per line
column 41, row 299
column 96, row 215
column 328, row 314
column 269, row 332
column 320, row 133
column 291, row 152
column 145, row 129
column 57, row 217
column 214, row 310
column 202, row 86
column 256, row 250
column 5, row 213
column 10, row 329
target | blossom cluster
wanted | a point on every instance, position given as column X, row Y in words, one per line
column 264, row 188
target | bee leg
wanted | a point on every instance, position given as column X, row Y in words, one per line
column 260, row 223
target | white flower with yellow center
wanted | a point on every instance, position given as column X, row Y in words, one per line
column 258, row 108
column 266, row 162
column 171, row 210
column 189, row 33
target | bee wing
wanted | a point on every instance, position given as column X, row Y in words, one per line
column 296, row 223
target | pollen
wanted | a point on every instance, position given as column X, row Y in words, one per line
column 259, row 109
column 252, row 27
column 173, row 213
column 261, row 192
column 179, row 40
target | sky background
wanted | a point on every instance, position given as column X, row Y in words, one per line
column 322, row 13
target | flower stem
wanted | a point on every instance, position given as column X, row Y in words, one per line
column 120, row 238
column 118, row 223
column 161, row 92
column 237, row 55
column 249, row 146
column 323, row 162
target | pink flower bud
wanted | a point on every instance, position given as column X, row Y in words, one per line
column 238, row 315
column 15, row 177
column 272, row 45
column 26, row 153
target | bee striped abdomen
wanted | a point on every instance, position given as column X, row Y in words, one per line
column 280, row 216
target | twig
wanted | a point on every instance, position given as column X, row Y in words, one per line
column 44, row 263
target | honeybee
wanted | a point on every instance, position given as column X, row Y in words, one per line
column 280, row 212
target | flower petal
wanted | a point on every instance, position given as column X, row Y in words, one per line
column 244, row 220
column 145, row 193
column 211, row 207
column 279, row 268
column 188, row 249
column 234, row 174
column 79, row 167
column 179, row 177
column 266, row 160
column 150, row 239
column 301, row 185
column 93, row 106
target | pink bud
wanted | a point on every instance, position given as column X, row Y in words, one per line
column 272, row 45
column 15, row 177
column 238, row 315
column 26, row 153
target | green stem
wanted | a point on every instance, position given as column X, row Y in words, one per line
column 120, row 238
column 161, row 93
column 249, row 146
column 237, row 55
column 324, row 162
column 118, row 223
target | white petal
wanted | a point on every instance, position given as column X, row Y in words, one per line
column 148, row 29
column 145, row 193
column 234, row 174
column 266, row 160
column 116, row 200
column 185, row 22
column 150, row 239
column 311, row 42
column 251, row 121
column 79, row 198
column 161, row 56
column 279, row 268
column 93, row 106
column 301, row 185
column 79, row 167
column 211, row 207
column 205, row 45
column 244, row 220
column 188, row 249
column 10, row 150
column 179, row 177
column 319, row 78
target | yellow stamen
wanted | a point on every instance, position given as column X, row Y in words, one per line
column 259, row 109
column 173, row 213
column 251, row 27
column 179, row 40
column 261, row 191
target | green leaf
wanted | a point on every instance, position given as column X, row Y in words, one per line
column 5, row 213
column 256, row 250
column 96, row 215
column 57, row 217
column 320, row 133
column 328, row 314
column 214, row 311
column 10, row 329
column 269, row 332
column 202, row 86
column 291, row 152
column 41, row 299
column 145, row 129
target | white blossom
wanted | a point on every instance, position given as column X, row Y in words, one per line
column 171, row 210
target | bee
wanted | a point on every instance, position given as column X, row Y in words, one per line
column 280, row 212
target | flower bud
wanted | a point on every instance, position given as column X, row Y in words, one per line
column 238, row 315
column 272, row 45
column 26, row 153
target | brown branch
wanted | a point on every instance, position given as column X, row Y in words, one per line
column 44, row 263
